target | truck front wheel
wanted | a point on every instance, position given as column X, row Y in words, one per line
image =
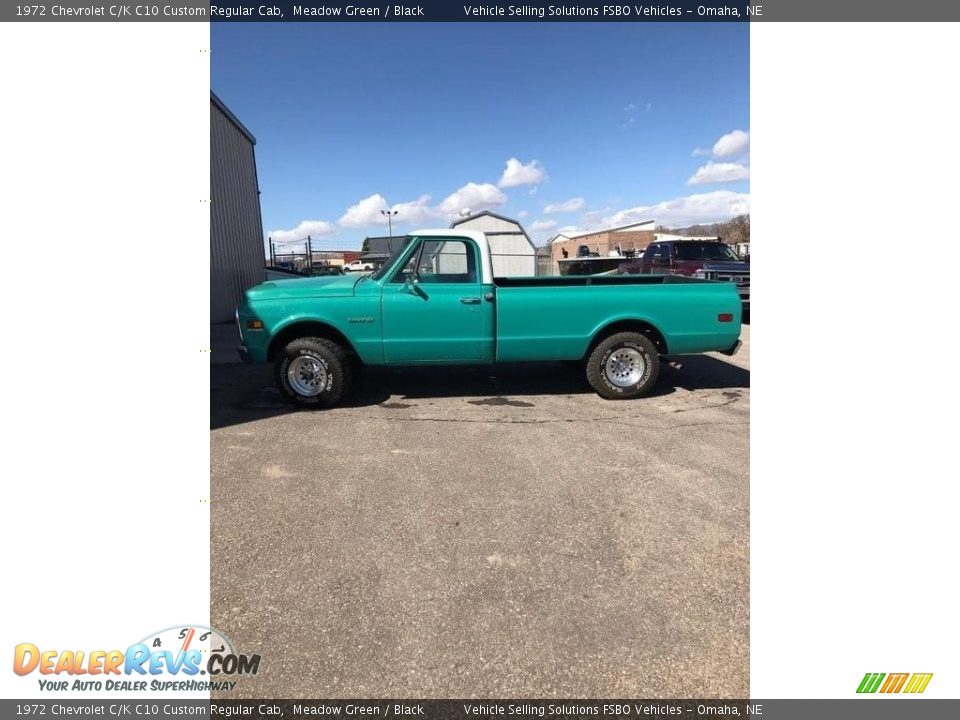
column 623, row 366
column 313, row 372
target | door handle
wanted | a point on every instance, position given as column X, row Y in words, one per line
column 470, row 300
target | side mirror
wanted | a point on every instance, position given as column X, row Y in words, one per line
column 412, row 285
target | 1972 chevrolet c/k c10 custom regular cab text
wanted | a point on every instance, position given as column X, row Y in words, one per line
column 436, row 301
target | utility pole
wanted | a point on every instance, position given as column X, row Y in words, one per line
column 389, row 214
column 273, row 253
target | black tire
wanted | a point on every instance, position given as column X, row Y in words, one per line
column 631, row 341
column 336, row 378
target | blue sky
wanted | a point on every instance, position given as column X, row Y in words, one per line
column 563, row 125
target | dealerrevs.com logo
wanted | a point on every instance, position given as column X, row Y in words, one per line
column 894, row 683
column 184, row 658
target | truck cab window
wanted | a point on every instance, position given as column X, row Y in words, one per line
column 708, row 251
column 441, row 261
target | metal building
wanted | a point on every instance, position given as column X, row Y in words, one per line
column 236, row 229
column 511, row 250
column 379, row 249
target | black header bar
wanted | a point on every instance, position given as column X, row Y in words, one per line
column 147, row 708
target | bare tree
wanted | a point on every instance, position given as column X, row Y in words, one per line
column 736, row 230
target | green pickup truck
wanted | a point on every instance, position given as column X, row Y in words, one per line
column 436, row 301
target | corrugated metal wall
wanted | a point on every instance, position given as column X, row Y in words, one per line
column 511, row 253
column 236, row 230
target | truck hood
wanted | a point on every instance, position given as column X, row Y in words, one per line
column 724, row 266
column 332, row 286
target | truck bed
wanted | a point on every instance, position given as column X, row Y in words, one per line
column 552, row 318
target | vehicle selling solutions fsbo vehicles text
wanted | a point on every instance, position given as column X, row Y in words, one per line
column 531, row 11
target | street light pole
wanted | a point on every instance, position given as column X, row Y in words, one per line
column 389, row 214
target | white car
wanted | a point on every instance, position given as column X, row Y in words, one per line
column 358, row 266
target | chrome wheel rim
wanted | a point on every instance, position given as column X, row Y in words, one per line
column 625, row 367
column 307, row 376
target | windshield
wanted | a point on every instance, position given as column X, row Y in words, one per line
column 704, row 251
column 382, row 270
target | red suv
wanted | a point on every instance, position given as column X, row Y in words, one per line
column 708, row 259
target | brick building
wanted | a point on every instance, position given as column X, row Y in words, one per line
column 635, row 236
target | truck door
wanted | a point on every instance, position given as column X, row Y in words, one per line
column 433, row 307
column 645, row 260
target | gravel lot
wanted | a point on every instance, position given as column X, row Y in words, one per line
column 481, row 532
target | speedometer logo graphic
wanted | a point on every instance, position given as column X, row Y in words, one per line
column 202, row 649
column 181, row 639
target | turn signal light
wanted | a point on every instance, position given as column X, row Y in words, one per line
column 725, row 317
column 254, row 324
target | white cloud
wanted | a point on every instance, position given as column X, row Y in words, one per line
column 733, row 143
column 365, row 213
column 476, row 197
column 689, row 210
column 543, row 226
column 516, row 173
column 571, row 205
column 719, row 173
column 736, row 142
column 313, row 228
column 414, row 212
column 522, row 214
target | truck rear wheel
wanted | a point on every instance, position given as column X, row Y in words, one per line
column 623, row 366
column 313, row 372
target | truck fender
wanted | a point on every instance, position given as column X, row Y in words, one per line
column 629, row 323
column 307, row 326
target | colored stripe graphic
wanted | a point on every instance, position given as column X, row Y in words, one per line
column 894, row 682
column 870, row 682
column 918, row 683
